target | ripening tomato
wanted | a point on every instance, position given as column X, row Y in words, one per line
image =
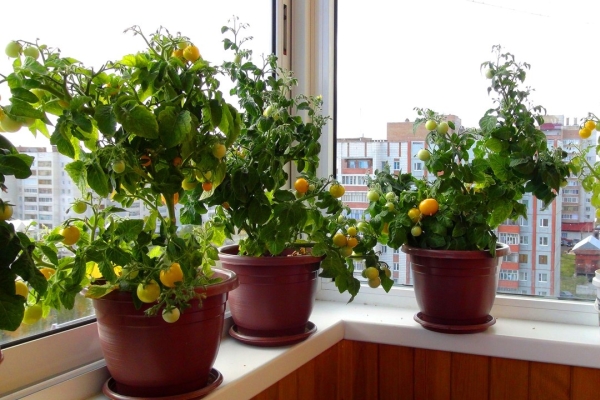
column 301, row 185
column 171, row 276
column 149, row 292
column 71, row 235
column 337, row 190
column 429, row 206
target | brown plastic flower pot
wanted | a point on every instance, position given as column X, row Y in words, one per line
column 455, row 290
column 148, row 357
column 275, row 297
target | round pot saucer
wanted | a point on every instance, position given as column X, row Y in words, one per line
column 273, row 341
column 214, row 380
column 457, row 329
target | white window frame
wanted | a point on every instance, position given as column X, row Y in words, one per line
column 507, row 306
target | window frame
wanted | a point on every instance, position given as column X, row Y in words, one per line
column 47, row 359
column 506, row 306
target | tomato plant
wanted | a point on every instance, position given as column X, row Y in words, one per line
column 475, row 176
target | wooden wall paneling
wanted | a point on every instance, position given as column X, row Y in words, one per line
column 307, row 380
column 509, row 379
column 326, row 374
column 358, row 370
column 396, row 372
column 470, row 377
column 270, row 393
column 585, row 383
column 288, row 387
column 432, row 374
column 549, row 381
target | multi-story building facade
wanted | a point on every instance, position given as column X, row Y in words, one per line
column 47, row 195
column 535, row 241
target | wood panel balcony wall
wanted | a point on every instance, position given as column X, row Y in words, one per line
column 352, row 370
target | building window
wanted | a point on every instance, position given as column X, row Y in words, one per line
column 523, row 276
column 358, row 163
column 396, row 165
column 542, row 277
column 417, row 166
column 384, row 249
column 508, row 238
column 46, row 208
column 523, row 258
column 45, row 181
column 45, row 164
column 524, row 239
column 46, row 190
column 31, row 199
column 523, row 221
column 508, row 275
column 543, row 259
column 396, row 266
column 45, row 172
column 544, row 222
column 543, row 240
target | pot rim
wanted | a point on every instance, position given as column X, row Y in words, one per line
column 230, row 282
column 229, row 253
column 502, row 250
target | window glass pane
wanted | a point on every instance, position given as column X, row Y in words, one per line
column 94, row 36
column 432, row 59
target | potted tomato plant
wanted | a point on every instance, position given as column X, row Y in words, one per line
column 290, row 227
column 475, row 181
column 142, row 128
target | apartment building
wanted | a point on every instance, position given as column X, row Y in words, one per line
column 535, row 241
column 47, row 195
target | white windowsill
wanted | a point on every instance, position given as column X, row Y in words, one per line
column 249, row 370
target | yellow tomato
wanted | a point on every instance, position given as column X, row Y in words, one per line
column 71, row 235
column 429, row 206
column 301, row 185
column 171, row 276
column 149, row 292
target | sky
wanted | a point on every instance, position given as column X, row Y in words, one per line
column 398, row 55
column 392, row 55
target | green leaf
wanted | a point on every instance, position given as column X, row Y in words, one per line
column 61, row 138
column 98, row 291
column 496, row 145
column 501, row 211
column 488, row 123
column 216, row 113
column 11, row 308
column 283, row 196
column 24, row 94
column 174, row 127
column 137, row 120
column 226, row 120
column 106, row 120
column 97, row 179
column 129, row 229
column 16, row 164
column 77, row 173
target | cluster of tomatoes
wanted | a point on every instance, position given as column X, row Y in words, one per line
column 587, row 128
column 302, row 187
column 347, row 241
column 373, row 275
